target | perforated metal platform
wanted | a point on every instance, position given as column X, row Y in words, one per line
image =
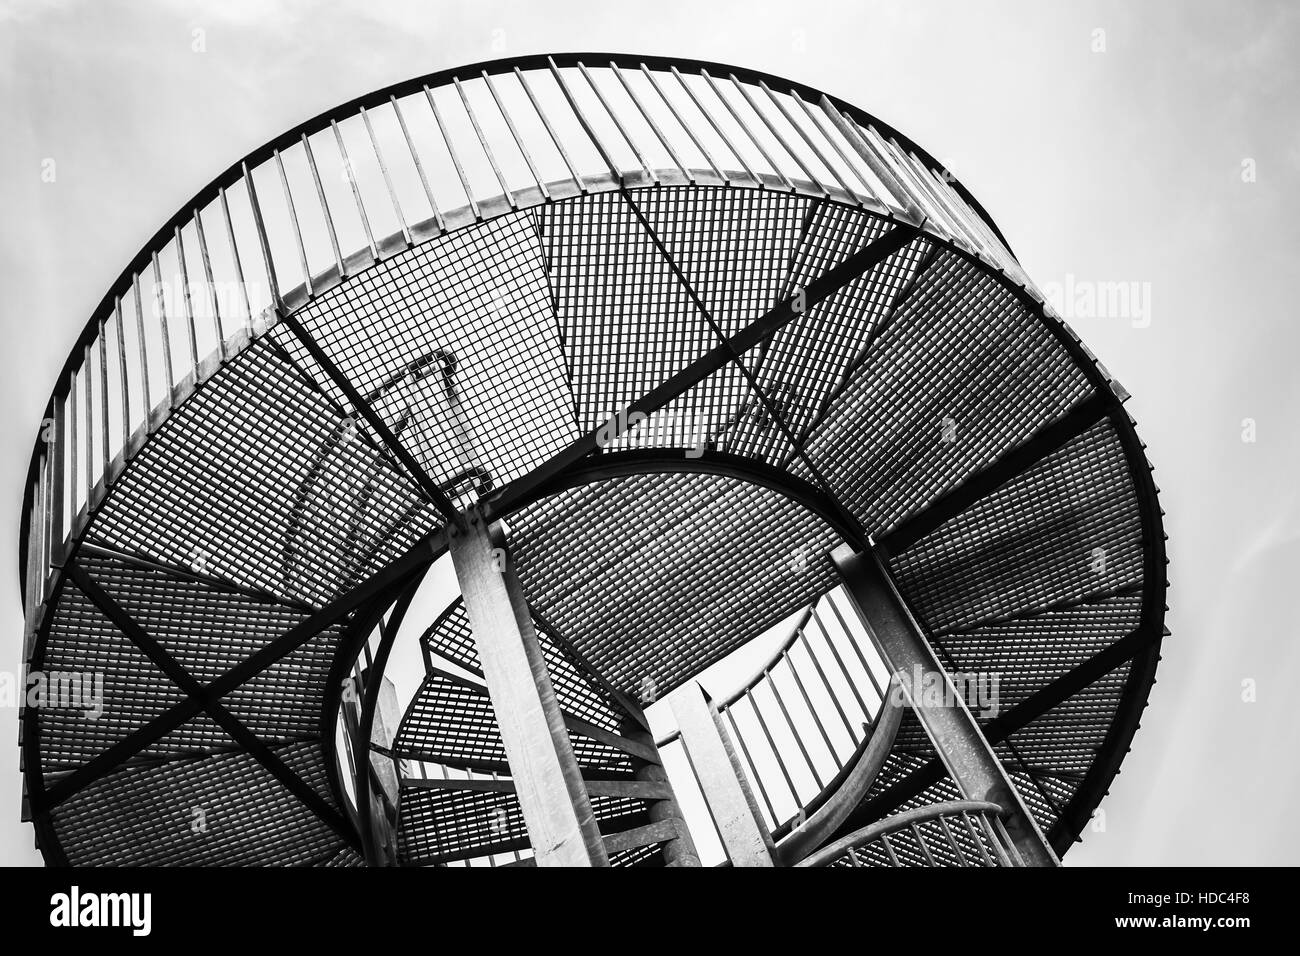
column 686, row 328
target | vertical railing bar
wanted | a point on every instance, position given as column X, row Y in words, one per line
column 898, row 194
column 998, row 849
column 812, row 118
column 356, row 190
column 541, row 114
column 74, row 479
column 798, row 681
column 419, row 165
column 889, row 848
column 794, row 731
column 920, row 841
column 771, row 743
column 618, row 124
column 211, row 283
column 59, row 480
column 803, row 134
column 189, row 304
column 90, row 431
column 122, row 377
column 239, row 265
column 758, row 778
column 105, row 454
column 262, row 239
column 42, row 527
column 848, row 678
column 899, row 158
column 961, row 856
column 161, row 300
column 735, row 114
column 654, row 127
column 582, row 121
column 144, row 351
column 930, row 184
column 853, row 857
column 830, row 691
column 483, row 142
column 857, row 649
column 975, row 836
column 324, row 203
column 776, row 134
column 1007, row 843
column 883, row 148
column 455, row 157
column 519, row 141
column 388, row 181
column 293, row 220
column 654, row 82
column 717, row 128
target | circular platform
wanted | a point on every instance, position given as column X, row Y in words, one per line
column 685, row 328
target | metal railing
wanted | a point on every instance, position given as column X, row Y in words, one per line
column 352, row 187
column 953, row 833
column 797, row 743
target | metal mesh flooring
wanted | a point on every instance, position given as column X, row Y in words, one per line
column 924, row 401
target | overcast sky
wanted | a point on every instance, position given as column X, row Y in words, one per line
column 1155, row 143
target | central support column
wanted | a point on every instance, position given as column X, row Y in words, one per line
column 949, row 723
column 548, row 781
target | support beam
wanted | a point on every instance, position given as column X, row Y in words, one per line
column 956, row 736
column 821, row 288
column 379, row 586
column 557, row 811
column 250, row 743
column 722, row 780
column 1082, row 415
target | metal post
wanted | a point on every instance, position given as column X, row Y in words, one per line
column 722, row 780
column 952, row 729
column 552, row 796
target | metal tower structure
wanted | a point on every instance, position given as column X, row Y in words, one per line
column 660, row 356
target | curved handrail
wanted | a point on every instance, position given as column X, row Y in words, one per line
column 881, row 829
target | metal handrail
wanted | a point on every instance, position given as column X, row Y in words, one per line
column 980, row 822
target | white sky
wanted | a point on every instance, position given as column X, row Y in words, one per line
column 1122, row 165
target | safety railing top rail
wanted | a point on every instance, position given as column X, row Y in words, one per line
column 386, row 171
column 955, row 832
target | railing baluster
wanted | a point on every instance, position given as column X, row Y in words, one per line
column 356, row 189
column 776, row 752
column 263, row 242
column 889, row 849
column 211, row 282
column 239, row 265
column 189, row 304
column 618, row 124
column 975, row 836
column 717, row 128
column 848, row 678
column 451, row 149
column 654, row 127
column 961, row 856
column 388, row 181
column 483, row 142
column 798, row 681
column 919, row 834
column 419, row 165
column 794, row 731
column 699, row 144
column 555, row 138
column 830, row 691
column 857, row 647
column 105, row 452
column 122, row 377
column 293, row 221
